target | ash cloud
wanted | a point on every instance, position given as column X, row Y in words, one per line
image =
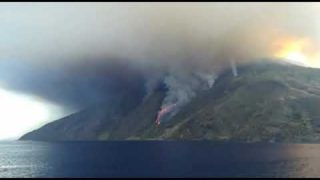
column 68, row 52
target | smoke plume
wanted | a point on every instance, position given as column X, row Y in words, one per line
column 185, row 45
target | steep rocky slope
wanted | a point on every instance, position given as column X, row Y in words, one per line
column 266, row 102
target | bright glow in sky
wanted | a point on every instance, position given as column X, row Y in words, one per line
column 20, row 114
column 299, row 51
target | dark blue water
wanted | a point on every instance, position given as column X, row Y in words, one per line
column 158, row 159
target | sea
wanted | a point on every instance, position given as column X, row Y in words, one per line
column 148, row 159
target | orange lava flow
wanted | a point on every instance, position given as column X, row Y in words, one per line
column 164, row 110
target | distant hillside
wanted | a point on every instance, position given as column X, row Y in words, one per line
column 266, row 102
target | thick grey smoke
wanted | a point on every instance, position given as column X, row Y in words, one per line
column 154, row 34
column 183, row 44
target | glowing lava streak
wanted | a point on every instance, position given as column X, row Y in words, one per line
column 164, row 110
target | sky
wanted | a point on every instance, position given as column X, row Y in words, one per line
column 58, row 58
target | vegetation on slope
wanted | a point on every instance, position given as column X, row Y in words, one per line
column 266, row 102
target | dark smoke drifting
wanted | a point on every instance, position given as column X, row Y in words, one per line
column 183, row 45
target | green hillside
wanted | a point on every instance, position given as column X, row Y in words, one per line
column 267, row 102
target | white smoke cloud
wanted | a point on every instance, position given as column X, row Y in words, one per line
column 183, row 87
